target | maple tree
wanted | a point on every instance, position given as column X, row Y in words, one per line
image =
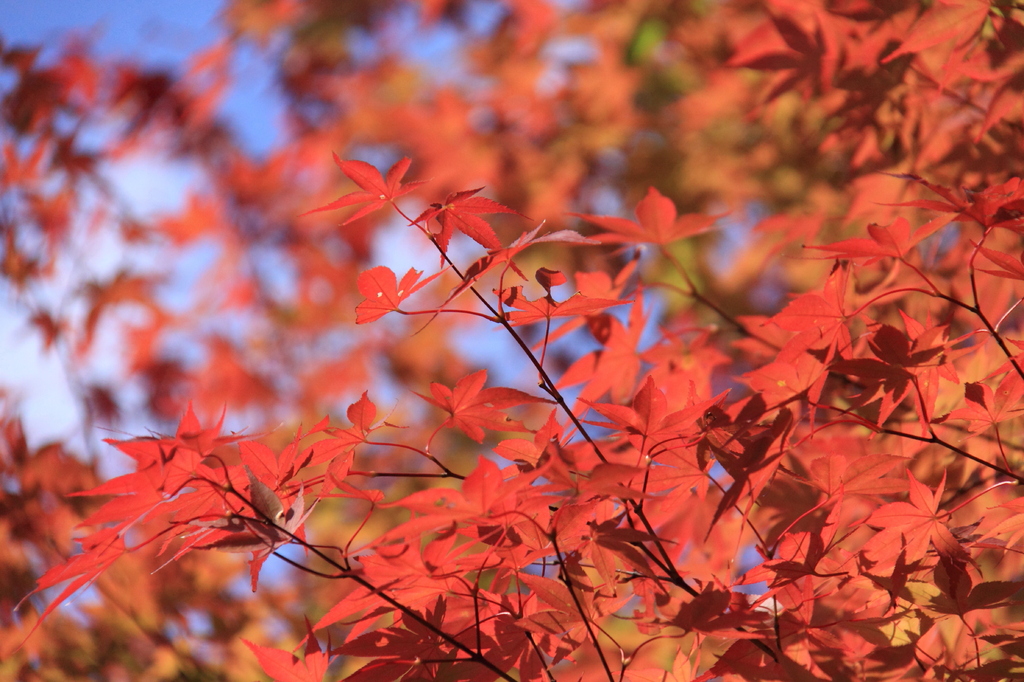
column 710, row 364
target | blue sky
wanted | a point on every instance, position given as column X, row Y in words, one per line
column 162, row 30
column 156, row 33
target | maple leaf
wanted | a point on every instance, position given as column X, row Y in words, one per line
column 993, row 594
column 803, row 553
column 647, row 421
column 887, row 241
column 264, row 532
column 260, row 460
column 284, row 666
column 529, row 452
column 758, row 456
column 485, row 493
column 172, row 463
column 489, row 261
column 134, row 497
column 919, row 521
column 818, row 318
column 271, row 527
column 999, row 205
column 384, row 293
column 657, row 222
column 413, row 640
column 557, row 610
column 717, row 610
column 1014, row 524
column 615, row 366
column 472, row 408
column 461, row 211
column 799, row 53
column 856, row 475
column 595, row 285
column 551, row 592
column 946, row 21
column 987, row 407
column 904, row 362
column 377, row 192
column 1005, row 100
column 99, row 551
column 338, row 449
column 1011, row 268
column 545, row 308
column 780, row 381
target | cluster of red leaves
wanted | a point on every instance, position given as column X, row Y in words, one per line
column 611, row 530
column 801, row 464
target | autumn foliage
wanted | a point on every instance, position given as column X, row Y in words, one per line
column 656, row 341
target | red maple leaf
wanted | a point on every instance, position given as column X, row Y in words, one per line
column 615, row 366
column 647, row 420
column 260, row 529
column 546, row 307
column 1011, row 268
column 887, row 241
column 801, row 554
column 99, row 551
column 378, row 191
column 987, row 407
column 920, row 521
column 780, row 381
column 461, row 211
column 717, row 610
column 384, row 293
column 860, row 474
column 996, row 206
column 818, row 318
column 944, row 22
column 903, row 362
column 490, row 260
column 362, row 414
column 804, row 54
column 657, row 222
column 284, row 666
column 472, row 408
